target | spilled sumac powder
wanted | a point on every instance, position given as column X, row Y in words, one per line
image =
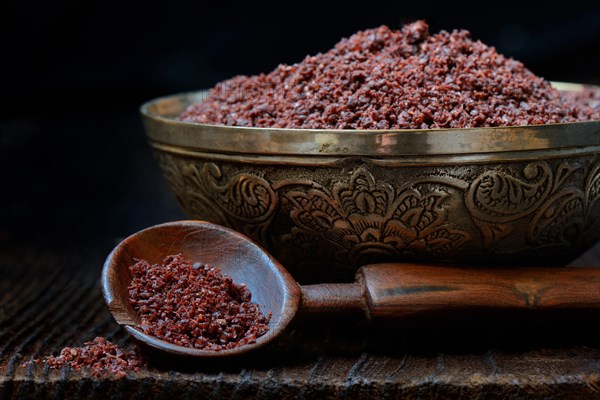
column 194, row 305
column 100, row 357
column 386, row 79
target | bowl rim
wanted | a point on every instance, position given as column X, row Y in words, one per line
column 166, row 132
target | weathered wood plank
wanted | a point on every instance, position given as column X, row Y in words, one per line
column 51, row 299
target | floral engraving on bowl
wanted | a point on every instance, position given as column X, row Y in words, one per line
column 497, row 197
column 568, row 216
column 591, row 231
column 558, row 211
column 361, row 220
column 245, row 202
column 311, row 215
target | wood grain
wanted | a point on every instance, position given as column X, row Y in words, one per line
column 397, row 290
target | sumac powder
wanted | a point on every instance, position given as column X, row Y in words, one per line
column 100, row 357
column 386, row 79
column 194, row 305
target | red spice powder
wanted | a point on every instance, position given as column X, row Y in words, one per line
column 386, row 79
column 194, row 305
column 100, row 357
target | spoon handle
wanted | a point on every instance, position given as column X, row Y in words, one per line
column 394, row 290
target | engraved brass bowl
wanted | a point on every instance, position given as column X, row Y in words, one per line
column 324, row 202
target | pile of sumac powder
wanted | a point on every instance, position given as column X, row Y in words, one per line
column 100, row 357
column 185, row 303
column 194, row 305
column 386, row 79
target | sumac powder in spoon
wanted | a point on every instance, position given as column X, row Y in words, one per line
column 194, row 305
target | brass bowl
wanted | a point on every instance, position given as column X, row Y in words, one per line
column 324, row 202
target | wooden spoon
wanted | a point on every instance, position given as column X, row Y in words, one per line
column 381, row 291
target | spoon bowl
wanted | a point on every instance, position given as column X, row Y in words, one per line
column 272, row 287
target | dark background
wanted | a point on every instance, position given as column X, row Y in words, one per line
column 74, row 165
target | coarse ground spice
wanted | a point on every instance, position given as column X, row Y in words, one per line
column 194, row 305
column 386, row 79
column 100, row 357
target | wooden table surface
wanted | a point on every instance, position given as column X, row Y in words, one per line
column 68, row 203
